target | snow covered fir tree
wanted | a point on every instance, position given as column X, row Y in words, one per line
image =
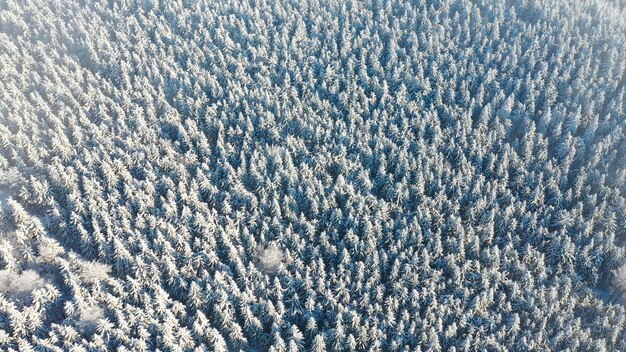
column 312, row 175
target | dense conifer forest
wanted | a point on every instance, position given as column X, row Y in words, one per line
column 315, row 175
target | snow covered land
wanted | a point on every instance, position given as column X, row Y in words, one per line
column 312, row 175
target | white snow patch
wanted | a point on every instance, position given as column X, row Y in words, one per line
column 270, row 258
column 19, row 285
column 95, row 271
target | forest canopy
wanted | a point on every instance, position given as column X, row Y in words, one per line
column 445, row 175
